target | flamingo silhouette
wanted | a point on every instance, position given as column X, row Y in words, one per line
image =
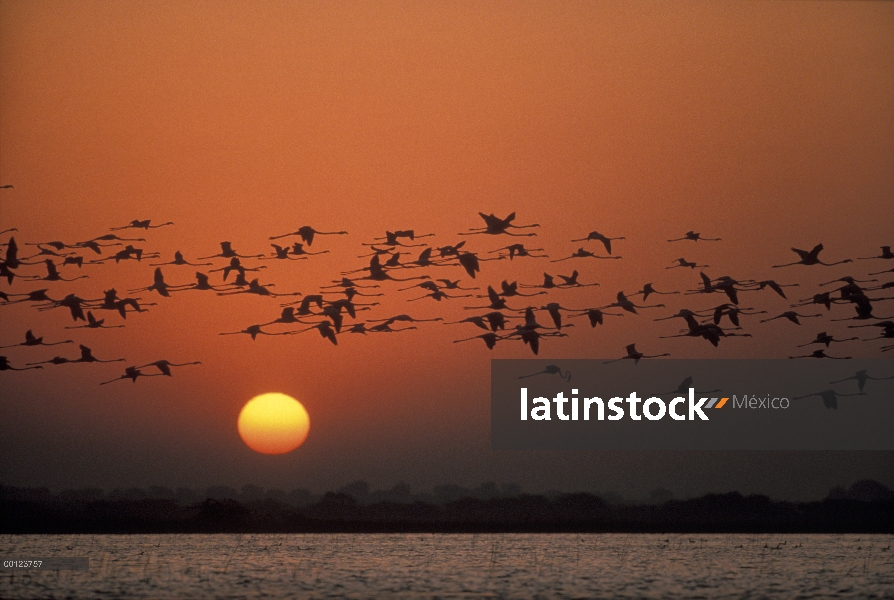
column 73, row 260
column 6, row 272
column 165, row 366
column 94, row 323
column 307, row 234
column 625, row 304
column 648, row 290
column 886, row 254
column 691, row 235
column 531, row 337
column 550, row 370
column 159, row 285
column 498, row 226
column 255, row 330
column 439, row 295
column 391, row 241
column 791, row 316
column 497, row 302
column 226, row 251
column 30, row 340
column 5, row 366
column 236, row 265
column 581, row 253
column 254, row 287
column 446, row 251
column 493, row 320
column 298, row 250
column 378, row 273
column 554, row 310
column 404, row 318
column 861, row 378
column 811, row 258
column 822, row 354
column 606, row 241
column 490, row 339
column 683, row 388
column 830, row 397
column 732, row 312
column 72, row 302
column 685, row 263
column 824, row 338
column 137, row 224
column 179, row 260
column 281, row 253
column 326, row 331
column 131, row 373
column 53, row 273
column 87, row 357
column 776, row 287
column 521, row 251
column 634, row 355
column 596, row 316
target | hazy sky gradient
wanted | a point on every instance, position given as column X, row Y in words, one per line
column 770, row 125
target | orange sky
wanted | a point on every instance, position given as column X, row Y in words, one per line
column 769, row 125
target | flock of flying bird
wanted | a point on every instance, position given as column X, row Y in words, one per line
column 503, row 312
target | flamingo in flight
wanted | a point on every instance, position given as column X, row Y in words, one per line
column 165, row 366
column 378, row 273
column 255, row 330
column 625, row 304
column 159, row 285
column 131, row 373
column 498, row 226
column 634, row 355
column 179, row 260
column 30, row 340
column 87, row 357
column 811, row 258
column 886, row 254
column 5, row 366
column 137, row 224
column 682, row 262
column 648, row 290
column 53, row 273
column 493, row 320
column 226, row 251
column 94, row 323
column 326, row 331
column 550, row 370
column 691, row 235
column 830, row 397
column 307, row 234
column 490, row 339
column 298, row 250
column 861, row 378
column 824, row 338
column 581, row 253
column 520, row 251
column 791, row 316
column 606, row 241
column 596, row 316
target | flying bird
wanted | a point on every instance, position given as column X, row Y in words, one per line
column 606, row 241
column 811, row 258
column 691, row 235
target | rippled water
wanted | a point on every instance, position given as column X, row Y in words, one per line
column 456, row 566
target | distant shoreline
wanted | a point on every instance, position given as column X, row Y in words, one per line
column 340, row 513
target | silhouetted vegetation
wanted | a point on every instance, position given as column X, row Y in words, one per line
column 865, row 507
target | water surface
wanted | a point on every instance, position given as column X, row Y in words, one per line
column 456, row 566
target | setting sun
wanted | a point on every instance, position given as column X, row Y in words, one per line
column 273, row 423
